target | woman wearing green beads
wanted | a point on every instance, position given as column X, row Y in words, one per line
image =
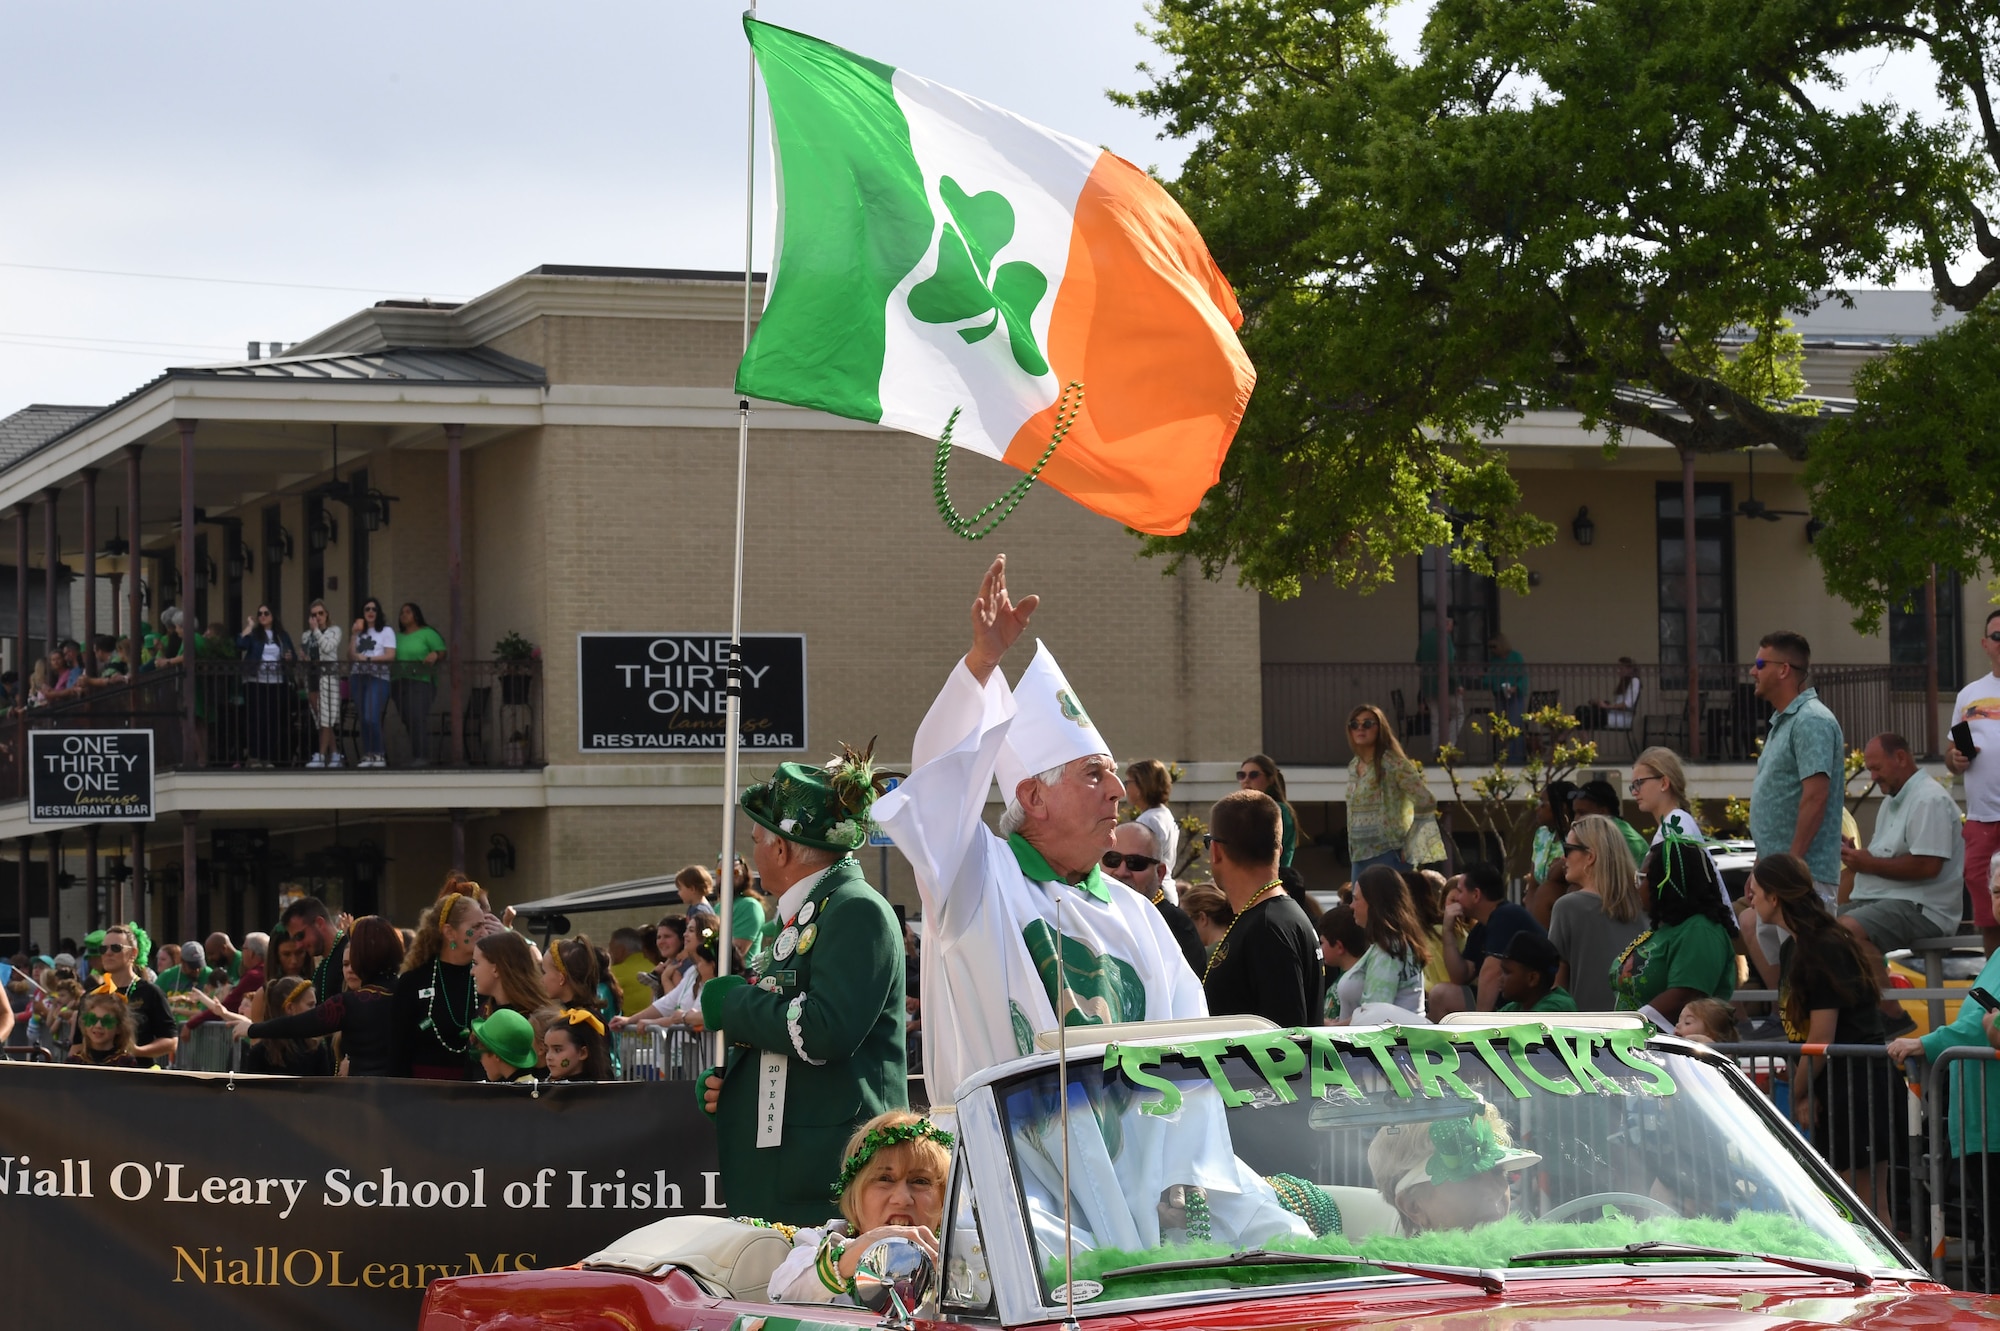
column 891, row 1186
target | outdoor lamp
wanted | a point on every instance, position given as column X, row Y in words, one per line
column 324, row 531
column 499, row 856
column 1813, row 528
column 241, row 561
column 1582, row 527
column 278, row 548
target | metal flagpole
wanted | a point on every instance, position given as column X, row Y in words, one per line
column 725, row 952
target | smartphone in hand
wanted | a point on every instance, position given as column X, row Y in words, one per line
column 1984, row 999
column 1961, row 739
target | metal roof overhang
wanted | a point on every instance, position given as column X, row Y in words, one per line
column 609, row 896
column 200, row 396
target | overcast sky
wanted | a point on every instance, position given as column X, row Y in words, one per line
column 431, row 149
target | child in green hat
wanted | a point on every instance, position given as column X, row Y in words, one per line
column 506, row 1044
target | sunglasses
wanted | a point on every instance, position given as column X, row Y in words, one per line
column 1571, row 848
column 1993, row 637
column 104, row 1021
column 297, row 938
column 1136, row 863
column 1362, row 723
column 1209, row 839
column 263, row 614
column 113, row 949
column 1250, row 774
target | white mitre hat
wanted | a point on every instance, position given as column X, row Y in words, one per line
column 1049, row 727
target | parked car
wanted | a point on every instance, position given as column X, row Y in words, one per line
column 1490, row 1172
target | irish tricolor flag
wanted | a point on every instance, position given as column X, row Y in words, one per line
column 935, row 251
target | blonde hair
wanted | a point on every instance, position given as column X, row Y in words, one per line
column 1666, row 764
column 918, row 1150
column 1155, row 782
column 1716, row 1015
column 1616, row 878
column 1203, row 899
column 453, row 908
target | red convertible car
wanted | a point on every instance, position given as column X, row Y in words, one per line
column 1499, row 1172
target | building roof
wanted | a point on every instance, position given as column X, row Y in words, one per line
column 468, row 366
column 32, row 426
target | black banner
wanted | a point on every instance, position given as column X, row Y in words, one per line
column 659, row 692
column 90, row 776
column 212, row 1201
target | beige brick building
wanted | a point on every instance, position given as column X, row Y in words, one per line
column 598, row 471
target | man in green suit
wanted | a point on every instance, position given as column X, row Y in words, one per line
column 814, row 1051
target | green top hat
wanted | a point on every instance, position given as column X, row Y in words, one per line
column 508, row 1037
column 822, row 807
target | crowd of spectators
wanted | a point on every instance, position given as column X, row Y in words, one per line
column 280, row 684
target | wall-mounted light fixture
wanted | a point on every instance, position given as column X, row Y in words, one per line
column 1582, row 528
column 324, row 531
column 241, row 561
column 499, row 856
column 279, row 548
column 1813, row 528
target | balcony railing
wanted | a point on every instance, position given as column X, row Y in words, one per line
column 1306, row 706
column 268, row 716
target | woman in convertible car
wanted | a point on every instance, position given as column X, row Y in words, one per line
column 1449, row 1173
column 891, row 1186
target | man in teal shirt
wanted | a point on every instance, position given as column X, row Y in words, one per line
column 418, row 649
column 1795, row 801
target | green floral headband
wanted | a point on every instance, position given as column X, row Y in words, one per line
column 894, row 1135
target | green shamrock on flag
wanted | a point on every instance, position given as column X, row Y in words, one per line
column 966, row 284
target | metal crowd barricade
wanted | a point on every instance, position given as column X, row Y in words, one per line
column 1962, row 1186
column 1861, row 1113
column 660, row 1054
column 206, row 1048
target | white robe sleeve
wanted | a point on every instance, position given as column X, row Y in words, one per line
column 797, row 1280
column 935, row 816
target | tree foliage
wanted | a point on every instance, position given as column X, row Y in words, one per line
column 1605, row 207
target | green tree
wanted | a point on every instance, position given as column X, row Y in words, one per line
column 1605, row 208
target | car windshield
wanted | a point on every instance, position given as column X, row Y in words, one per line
column 1464, row 1146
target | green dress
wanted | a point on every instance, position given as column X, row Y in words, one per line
column 840, row 1031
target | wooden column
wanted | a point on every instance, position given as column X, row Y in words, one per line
column 21, row 890
column 190, row 878
column 55, row 888
column 1692, row 593
column 454, row 492
column 52, row 553
column 90, row 907
column 89, row 582
column 141, row 909
column 133, row 609
column 1930, row 664
column 458, row 839
column 190, row 750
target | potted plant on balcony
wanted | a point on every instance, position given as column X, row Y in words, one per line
column 518, row 659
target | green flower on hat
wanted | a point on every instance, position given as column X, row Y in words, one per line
column 822, row 807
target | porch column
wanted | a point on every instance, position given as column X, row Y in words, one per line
column 1440, row 590
column 190, row 879
column 454, row 436
column 1930, row 665
column 190, row 752
column 55, row 887
column 21, row 662
column 52, row 553
column 140, row 910
column 132, row 603
column 1691, row 591
column 458, row 840
column 90, row 908
column 89, row 596
column 21, row 891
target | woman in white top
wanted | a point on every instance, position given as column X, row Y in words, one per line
column 1594, row 922
column 1659, row 788
column 320, row 644
column 1148, row 787
column 681, row 1005
column 891, row 1186
column 371, row 640
column 1616, row 712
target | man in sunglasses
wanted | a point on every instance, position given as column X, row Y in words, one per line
column 308, row 921
column 155, row 1034
column 1134, row 860
column 1978, row 708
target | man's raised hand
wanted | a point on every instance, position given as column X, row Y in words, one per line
column 997, row 621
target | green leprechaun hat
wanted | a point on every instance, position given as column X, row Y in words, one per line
column 822, row 807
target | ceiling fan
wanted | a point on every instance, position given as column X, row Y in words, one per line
column 1753, row 507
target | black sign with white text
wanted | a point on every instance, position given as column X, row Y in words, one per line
column 320, row 1202
column 661, row 692
column 90, row 776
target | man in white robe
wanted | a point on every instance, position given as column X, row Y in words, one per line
column 990, row 971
